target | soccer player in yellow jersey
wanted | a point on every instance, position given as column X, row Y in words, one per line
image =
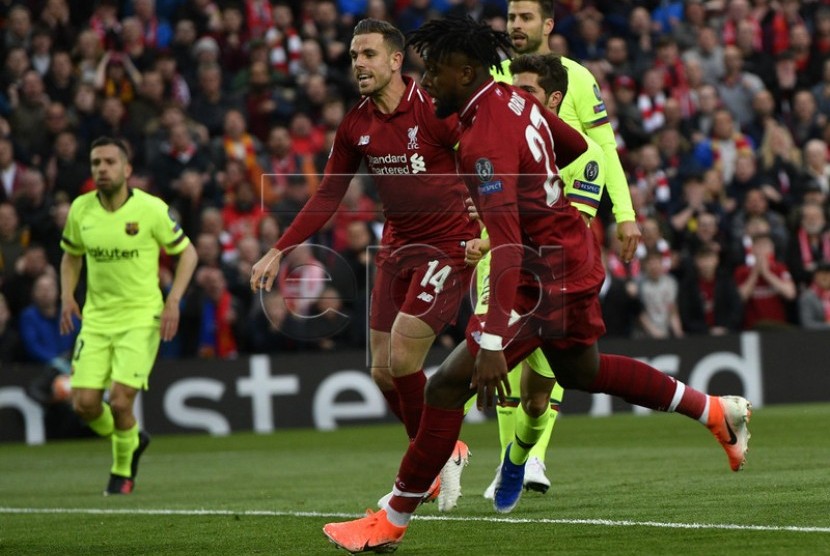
column 530, row 24
column 545, row 77
column 119, row 231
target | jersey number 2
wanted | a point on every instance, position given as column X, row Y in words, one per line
column 539, row 149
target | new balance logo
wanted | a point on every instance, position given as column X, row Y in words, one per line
column 418, row 163
column 364, row 140
column 427, row 297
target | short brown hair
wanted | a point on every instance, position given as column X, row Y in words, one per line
column 553, row 76
column 545, row 7
column 105, row 141
column 392, row 36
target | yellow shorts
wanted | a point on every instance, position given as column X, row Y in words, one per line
column 126, row 357
column 539, row 363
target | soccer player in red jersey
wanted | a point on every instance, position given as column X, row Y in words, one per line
column 422, row 277
column 544, row 282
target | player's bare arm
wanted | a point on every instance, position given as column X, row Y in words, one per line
column 490, row 377
column 70, row 274
column 265, row 270
column 184, row 271
column 629, row 235
column 475, row 250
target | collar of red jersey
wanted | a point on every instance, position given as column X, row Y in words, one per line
column 406, row 100
column 466, row 114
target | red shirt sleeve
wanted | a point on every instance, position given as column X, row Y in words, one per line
column 497, row 200
column 505, row 265
column 343, row 163
column 445, row 131
column 316, row 212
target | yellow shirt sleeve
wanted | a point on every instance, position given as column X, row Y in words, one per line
column 584, row 109
column 71, row 241
column 167, row 231
column 584, row 179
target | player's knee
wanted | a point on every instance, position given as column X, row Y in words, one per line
column 400, row 363
column 442, row 391
column 122, row 406
column 437, row 390
column 85, row 406
column 86, row 410
column 535, row 405
column 382, row 378
column 434, row 391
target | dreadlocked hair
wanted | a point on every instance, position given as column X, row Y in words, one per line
column 478, row 41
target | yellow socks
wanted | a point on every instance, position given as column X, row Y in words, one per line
column 103, row 425
column 124, row 443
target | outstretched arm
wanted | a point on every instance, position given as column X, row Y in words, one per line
column 316, row 212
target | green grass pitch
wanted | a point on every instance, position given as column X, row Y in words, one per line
column 621, row 485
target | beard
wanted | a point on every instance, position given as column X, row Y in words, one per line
column 446, row 108
column 530, row 46
column 110, row 188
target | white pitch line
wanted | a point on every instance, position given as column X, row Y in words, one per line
column 272, row 513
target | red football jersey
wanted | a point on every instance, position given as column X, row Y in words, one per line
column 410, row 156
column 764, row 304
column 508, row 155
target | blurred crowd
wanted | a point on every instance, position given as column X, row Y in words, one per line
column 230, row 108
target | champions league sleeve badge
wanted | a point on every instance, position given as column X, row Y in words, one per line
column 484, row 169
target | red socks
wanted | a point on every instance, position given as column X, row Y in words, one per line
column 411, row 399
column 427, row 455
column 394, row 402
column 643, row 385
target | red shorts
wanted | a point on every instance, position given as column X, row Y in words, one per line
column 431, row 289
column 568, row 315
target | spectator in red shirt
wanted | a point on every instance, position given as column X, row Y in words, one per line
column 764, row 286
column 668, row 59
column 265, row 102
column 307, row 138
column 283, row 162
column 809, row 245
column 259, row 15
column 709, row 302
column 283, row 40
column 652, row 99
column 241, row 217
